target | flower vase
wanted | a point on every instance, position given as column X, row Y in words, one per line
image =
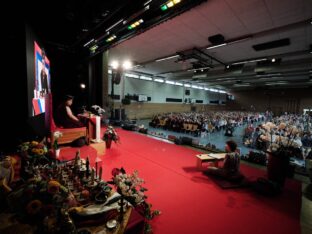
column 108, row 143
column 277, row 168
column 57, row 153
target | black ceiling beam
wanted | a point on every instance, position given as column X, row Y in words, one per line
column 209, row 56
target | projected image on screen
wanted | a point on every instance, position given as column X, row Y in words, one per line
column 42, row 80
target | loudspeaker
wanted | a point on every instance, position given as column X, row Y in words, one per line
column 187, row 92
column 126, row 101
column 123, row 114
column 216, row 39
column 117, row 77
column 186, row 141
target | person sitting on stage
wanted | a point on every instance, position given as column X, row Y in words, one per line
column 230, row 169
column 64, row 115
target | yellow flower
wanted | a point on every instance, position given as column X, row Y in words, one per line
column 35, row 151
column 53, row 186
column 34, row 143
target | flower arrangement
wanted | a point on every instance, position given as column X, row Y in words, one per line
column 111, row 134
column 281, row 138
column 40, row 200
column 131, row 187
column 56, row 135
column 33, row 151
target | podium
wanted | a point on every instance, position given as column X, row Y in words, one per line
column 93, row 123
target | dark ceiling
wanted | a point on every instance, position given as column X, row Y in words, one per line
column 70, row 24
column 279, row 30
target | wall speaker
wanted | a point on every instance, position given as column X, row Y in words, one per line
column 117, row 77
column 126, row 101
column 216, row 39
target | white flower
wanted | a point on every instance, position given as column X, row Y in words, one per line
column 57, row 134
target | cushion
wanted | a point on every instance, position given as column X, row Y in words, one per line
column 238, row 181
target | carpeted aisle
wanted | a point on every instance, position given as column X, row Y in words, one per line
column 189, row 201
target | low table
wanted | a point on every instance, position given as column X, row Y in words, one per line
column 212, row 157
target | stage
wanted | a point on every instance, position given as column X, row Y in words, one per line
column 189, row 201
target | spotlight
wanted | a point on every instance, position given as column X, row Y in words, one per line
column 170, row 4
column 273, row 60
column 111, row 38
column 82, row 86
column 115, row 64
column 135, row 24
column 127, row 65
column 164, row 7
column 228, row 66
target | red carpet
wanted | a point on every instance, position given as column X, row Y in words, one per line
column 189, row 201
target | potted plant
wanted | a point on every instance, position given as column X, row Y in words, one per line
column 110, row 135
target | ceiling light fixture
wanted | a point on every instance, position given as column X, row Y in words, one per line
column 127, row 65
column 135, row 24
column 115, row 64
column 198, row 69
column 159, row 80
column 114, row 25
column 147, row 2
column 250, row 61
column 93, row 48
column 273, row 60
column 88, row 43
column 179, row 84
column 241, row 85
column 166, row 58
column 111, row 38
column 146, row 78
column 169, row 4
column 187, row 85
column 170, row 82
column 164, row 7
column 132, row 75
column 216, row 46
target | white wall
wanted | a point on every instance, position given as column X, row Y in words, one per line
column 160, row 91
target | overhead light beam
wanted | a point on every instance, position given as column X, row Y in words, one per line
column 216, row 46
column 166, row 58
